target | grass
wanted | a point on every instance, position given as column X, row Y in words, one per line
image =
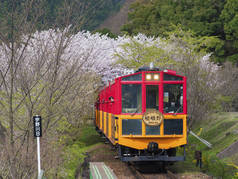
column 89, row 136
column 221, row 130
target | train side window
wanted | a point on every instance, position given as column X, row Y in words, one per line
column 111, row 99
column 173, row 98
column 131, row 98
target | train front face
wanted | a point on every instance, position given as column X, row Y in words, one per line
column 152, row 122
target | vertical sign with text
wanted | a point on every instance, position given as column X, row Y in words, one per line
column 37, row 126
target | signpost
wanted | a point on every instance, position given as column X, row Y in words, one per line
column 38, row 134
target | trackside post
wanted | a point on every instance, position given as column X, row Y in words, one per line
column 38, row 134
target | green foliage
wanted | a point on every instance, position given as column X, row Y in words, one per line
column 74, row 156
column 210, row 163
column 74, row 152
column 172, row 50
column 139, row 54
column 216, row 167
column 229, row 17
column 83, row 14
column 204, row 17
column 156, row 17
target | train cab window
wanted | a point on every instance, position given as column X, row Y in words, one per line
column 131, row 127
column 137, row 77
column 168, row 77
column 152, row 130
column 131, row 98
column 152, row 97
column 173, row 98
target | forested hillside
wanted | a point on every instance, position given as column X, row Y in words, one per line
column 85, row 14
column 114, row 22
column 203, row 17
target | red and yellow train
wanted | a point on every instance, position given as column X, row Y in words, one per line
column 145, row 115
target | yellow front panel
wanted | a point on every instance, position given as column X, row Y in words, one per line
column 141, row 141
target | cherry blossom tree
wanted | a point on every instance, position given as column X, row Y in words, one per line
column 48, row 73
column 54, row 73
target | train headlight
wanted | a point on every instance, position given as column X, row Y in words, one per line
column 148, row 77
column 152, row 77
column 156, row 76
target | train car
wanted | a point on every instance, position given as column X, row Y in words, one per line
column 144, row 115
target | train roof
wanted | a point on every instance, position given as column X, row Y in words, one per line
column 149, row 70
column 143, row 70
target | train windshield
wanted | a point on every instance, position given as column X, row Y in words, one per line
column 152, row 97
column 173, row 98
column 131, row 98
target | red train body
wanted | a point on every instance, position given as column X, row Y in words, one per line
column 145, row 115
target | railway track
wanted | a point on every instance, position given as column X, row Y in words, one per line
column 167, row 174
column 135, row 172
